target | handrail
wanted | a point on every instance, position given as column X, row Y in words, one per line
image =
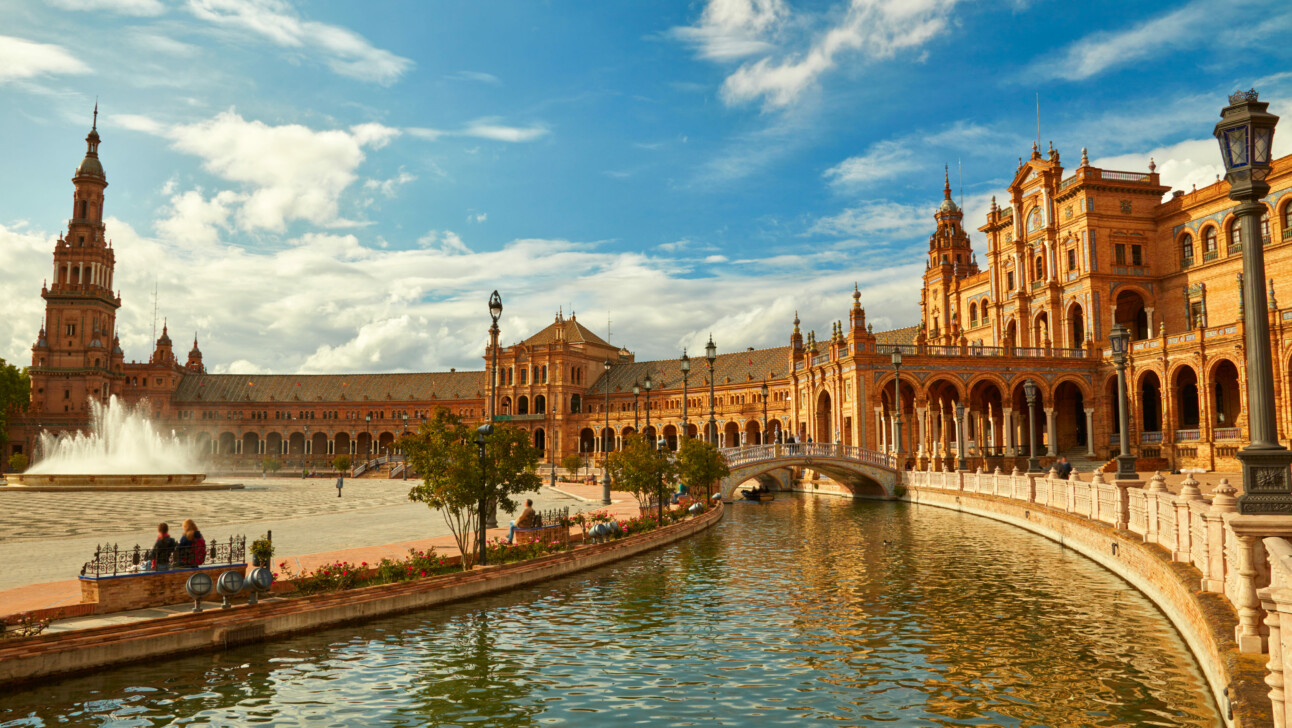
column 737, row 456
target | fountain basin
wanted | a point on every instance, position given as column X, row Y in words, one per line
column 173, row 481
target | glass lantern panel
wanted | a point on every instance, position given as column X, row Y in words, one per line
column 1261, row 145
column 1236, row 143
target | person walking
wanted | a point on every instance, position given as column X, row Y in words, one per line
column 340, row 481
column 1063, row 468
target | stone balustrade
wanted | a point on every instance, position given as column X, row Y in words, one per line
column 1245, row 559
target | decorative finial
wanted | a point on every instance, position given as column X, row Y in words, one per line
column 856, row 296
column 1152, row 166
column 993, row 203
column 1085, row 161
column 1036, row 152
column 1239, row 97
column 95, row 125
column 946, row 186
column 1273, row 303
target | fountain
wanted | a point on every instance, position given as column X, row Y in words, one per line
column 122, row 450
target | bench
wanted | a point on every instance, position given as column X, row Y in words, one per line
column 113, row 580
column 554, row 530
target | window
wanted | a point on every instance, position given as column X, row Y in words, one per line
column 523, row 373
column 1137, row 255
column 1235, row 233
column 1072, row 259
column 1287, row 217
column 71, row 329
column 973, row 313
column 1265, row 226
column 1195, row 315
column 84, row 205
column 1209, row 240
column 1186, row 249
column 1040, row 267
column 1009, row 280
column 1119, row 254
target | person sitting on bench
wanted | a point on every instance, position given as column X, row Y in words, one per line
column 526, row 520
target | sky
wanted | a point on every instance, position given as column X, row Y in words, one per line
column 321, row 186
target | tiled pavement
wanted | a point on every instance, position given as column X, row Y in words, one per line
column 355, row 533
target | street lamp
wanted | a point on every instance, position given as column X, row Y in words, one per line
column 367, row 425
column 1030, row 391
column 897, row 404
column 305, row 448
column 637, row 389
column 960, row 437
column 762, row 436
column 1246, row 136
column 647, row 386
column 1120, row 340
column 481, row 433
column 711, row 355
column 662, row 448
column 495, row 310
column 404, row 472
column 686, row 370
column 605, row 472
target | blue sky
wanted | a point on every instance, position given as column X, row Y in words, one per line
column 333, row 186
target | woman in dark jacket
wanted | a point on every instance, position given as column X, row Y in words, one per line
column 192, row 547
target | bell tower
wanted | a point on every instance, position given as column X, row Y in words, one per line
column 951, row 259
column 73, row 359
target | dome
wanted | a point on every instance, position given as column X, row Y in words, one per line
column 90, row 167
column 948, row 206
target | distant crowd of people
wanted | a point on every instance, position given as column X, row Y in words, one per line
column 188, row 552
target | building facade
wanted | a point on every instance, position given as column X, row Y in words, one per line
column 1069, row 255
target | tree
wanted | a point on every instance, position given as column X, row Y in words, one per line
column 572, row 464
column 640, row 469
column 271, row 465
column 15, row 395
column 701, row 466
column 443, row 450
column 341, row 462
column 17, row 462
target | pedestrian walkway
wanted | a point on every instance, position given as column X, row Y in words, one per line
column 65, row 593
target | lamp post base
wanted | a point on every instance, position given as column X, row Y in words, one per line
column 1126, row 467
column 1267, row 482
column 1034, row 465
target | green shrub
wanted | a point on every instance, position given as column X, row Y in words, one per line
column 17, row 462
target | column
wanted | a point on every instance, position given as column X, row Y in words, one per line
column 982, row 433
column 1008, row 431
column 1090, row 432
column 923, row 412
column 881, row 434
column 1052, row 440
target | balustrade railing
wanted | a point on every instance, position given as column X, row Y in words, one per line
column 1228, row 433
column 1150, row 438
column 112, row 560
column 737, row 456
column 1188, row 435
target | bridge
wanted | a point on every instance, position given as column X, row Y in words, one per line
column 867, row 473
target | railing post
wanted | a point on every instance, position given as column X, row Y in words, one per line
column 1184, row 519
column 1247, row 633
column 1222, row 502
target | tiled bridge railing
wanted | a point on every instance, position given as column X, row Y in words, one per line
column 739, row 456
column 1247, row 559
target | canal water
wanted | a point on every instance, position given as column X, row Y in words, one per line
column 854, row 614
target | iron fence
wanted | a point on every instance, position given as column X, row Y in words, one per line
column 112, row 560
column 550, row 517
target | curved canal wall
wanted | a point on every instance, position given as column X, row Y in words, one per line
column 1196, row 558
column 216, row 629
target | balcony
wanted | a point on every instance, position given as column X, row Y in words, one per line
column 1037, row 284
column 1186, row 263
column 1235, row 249
column 1229, row 433
column 1188, row 435
column 1210, row 255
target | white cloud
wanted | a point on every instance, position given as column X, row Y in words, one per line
column 716, row 259
column 731, row 29
column 21, row 59
column 486, row 128
column 330, row 303
column 288, row 172
column 389, row 187
column 478, row 217
column 123, row 7
column 878, row 219
column 479, row 76
column 883, row 160
column 343, row 50
column 1198, row 26
column 877, row 29
column 136, row 122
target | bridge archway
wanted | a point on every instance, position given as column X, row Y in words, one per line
column 865, row 473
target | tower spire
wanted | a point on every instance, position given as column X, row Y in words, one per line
column 946, row 185
column 95, row 125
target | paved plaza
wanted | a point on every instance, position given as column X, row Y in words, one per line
column 46, row 537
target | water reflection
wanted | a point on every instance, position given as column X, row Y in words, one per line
column 862, row 614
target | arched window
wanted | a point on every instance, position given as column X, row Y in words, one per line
column 1186, row 249
column 1209, row 239
column 1265, row 226
column 973, row 312
column 1235, row 233
column 576, row 404
column 1287, row 217
column 1040, row 267
column 84, row 205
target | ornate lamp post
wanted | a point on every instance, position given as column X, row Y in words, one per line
column 897, row 406
column 1246, row 135
column 367, row 425
column 711, row 355
column 763, row 436
column 404, row 472
column 662, row 447
column 1120, row 340
column 1030, row 391
column 481, row 433
column 305, row 448
column 686, row 370
column 495, row 311
column 637, row 389
column 605, row 472
column 960, row 437
column 647, row 386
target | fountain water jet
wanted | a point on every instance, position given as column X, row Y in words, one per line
column 122, row 449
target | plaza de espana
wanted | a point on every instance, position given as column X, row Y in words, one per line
column 1070, row 252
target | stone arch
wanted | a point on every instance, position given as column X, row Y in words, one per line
column 1041, row 329
column 318, row 443
column 1071, row 399
column 522, row 405
column 670, row 436
column 731, row 434
column 1184, row 382
column 1029, row 419
column 250, row 443
column 1185, row 245
column 986, row 404
column 342, row 446
column 1131, row 311
column 273, row 444
column 1224, row 393
column 227, row 443
column 1210, row 236
column 540, row 440
column 823, row 408
column 385, row 441
column 753, row 431
column 1076, row 325
column 505, row 406
column 1148, row 390
column 296, row 443
column 587, row 440
column 864, row 481
column 540, row 404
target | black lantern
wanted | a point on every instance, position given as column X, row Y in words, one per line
column 1119, row 339
column 495, row 306
column 1246, row 136
column 686, row 362
column 711, row 350
column 897, row 357
column 1030, row 391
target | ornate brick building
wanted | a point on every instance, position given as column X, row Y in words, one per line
column 1067, row 256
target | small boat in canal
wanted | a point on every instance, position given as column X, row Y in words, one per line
column 758, row 494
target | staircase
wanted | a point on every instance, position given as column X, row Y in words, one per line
column 1083, row 463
